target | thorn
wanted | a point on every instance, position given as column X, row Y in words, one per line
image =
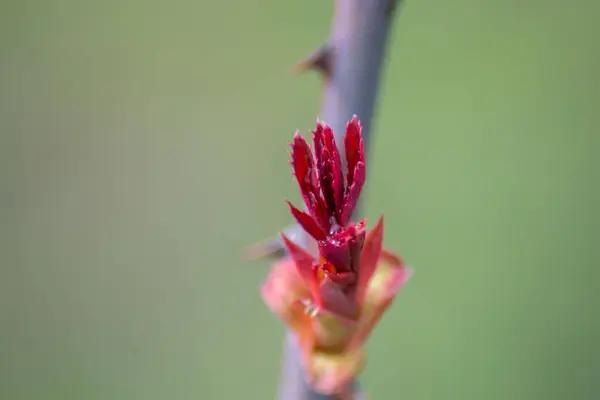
column 273, row 248
column 391, row 7
column 268, row 249
column 321, row 60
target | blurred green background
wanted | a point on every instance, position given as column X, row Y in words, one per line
column 143, row 146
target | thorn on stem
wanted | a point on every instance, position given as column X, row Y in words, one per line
column 391, row 7
column 321, row 60
column 273, row 248
column 269, row 249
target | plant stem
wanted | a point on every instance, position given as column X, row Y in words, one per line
column 351, row 64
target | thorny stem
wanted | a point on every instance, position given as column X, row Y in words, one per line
column 350, row 63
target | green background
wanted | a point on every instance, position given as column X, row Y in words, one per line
column 143, row 146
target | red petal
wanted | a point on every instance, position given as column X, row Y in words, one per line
column 342, row 248
column 306, row 176
column 353, row 193
column 329, row 168
column 368, row 259
column 318, row 140
column 323, row 168
column 335, row 170
column 341, row 278
column 333, row 299
column 308, row 223
column 305, row 263
column 355, row 150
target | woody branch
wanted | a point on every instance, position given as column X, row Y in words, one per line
column 350, row 63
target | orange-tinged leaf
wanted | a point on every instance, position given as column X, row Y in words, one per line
column 332, row 373
column 389, row 277
column 281, row 292
column 369, row 257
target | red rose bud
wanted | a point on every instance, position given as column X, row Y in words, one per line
column 332, row 299
column 329, row 200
